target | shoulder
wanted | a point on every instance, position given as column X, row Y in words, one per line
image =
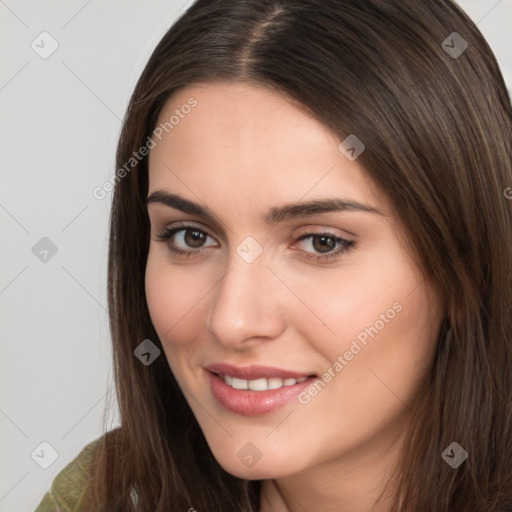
column 68, row 487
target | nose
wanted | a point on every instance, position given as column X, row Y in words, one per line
column 248, row 305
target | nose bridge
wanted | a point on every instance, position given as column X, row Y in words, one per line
column 245, row 304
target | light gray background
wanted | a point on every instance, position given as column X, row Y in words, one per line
column 61, row 117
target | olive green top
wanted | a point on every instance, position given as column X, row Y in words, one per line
column 68, row 487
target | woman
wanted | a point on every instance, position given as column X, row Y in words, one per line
column 310, row 267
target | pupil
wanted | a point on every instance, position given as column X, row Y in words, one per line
column 326, row 244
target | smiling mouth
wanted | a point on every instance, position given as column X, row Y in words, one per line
column 264, row 393
column 261, row 384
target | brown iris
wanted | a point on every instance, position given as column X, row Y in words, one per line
column 194, row 238
column 323, row 243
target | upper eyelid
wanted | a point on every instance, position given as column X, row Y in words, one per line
column 201, row 226
column 308, row 233
column 188, row 227
column 311, row 219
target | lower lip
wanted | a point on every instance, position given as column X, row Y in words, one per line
column 254, row 403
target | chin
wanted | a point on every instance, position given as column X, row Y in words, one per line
column 259, row 471
column 248, row 464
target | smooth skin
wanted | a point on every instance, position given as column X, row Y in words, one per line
column 240, row 152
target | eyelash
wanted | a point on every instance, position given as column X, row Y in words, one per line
column 346, row 245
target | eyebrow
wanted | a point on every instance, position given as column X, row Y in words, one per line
column 274, row 215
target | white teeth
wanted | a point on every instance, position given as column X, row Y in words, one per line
column 239, row 383
column 275, row 383
column 261, row 384
column 258, row 384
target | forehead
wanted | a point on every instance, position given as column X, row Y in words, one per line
column 244, row 142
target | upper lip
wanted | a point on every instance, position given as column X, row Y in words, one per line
column 255, row 371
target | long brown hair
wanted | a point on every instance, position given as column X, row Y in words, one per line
column 434, row 114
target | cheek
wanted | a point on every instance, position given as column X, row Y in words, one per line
column 359, row 300
column 174, row 295
column 402, row 353
column 379, row 321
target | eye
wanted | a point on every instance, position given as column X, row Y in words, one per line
column 326, row 245
column 185, row 240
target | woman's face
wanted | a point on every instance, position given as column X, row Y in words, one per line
column 318, row 309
